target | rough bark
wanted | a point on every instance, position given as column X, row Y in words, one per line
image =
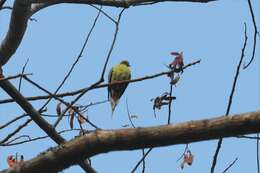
column 17, row 27
column 36, row 117
column 103, row 141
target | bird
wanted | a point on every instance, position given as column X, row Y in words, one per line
column 119, row 72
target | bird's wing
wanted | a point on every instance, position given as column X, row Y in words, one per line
column 109, row 81
column 122, row 87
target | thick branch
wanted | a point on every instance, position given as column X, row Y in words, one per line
column 40, row 4
column 102, row 141
column 36, row 117
column 17, row 27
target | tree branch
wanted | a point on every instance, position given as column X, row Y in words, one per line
column 76, row 92
column 17, row 27
column 36, row 117
column 40, row 4
column 234, row 83
column 103, row 141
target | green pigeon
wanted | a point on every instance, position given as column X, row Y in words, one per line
column 119, row 72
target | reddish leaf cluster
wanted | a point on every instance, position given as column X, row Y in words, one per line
column 187, row 159
column 177, row 63
column 13, row 161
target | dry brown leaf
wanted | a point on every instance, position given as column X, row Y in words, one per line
column 58, row 109
column 82, row 119
column 187, row 159
column 72, row 115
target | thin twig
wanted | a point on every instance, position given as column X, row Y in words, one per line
column 13, row 120
column 73, row 93
column 20, row 81
column 170, row 105
column 53, row 115
column 141, row 160
column 247, row 137
column 12, row 143
column 14, row 77
column 17, row 138
column 62, row 101
column 257, row 153
column 15, row 131
column 6, row 8
column 112, row 45
column 102, row 74
column 2, row 2
column 185, row 149
column 78, row 57
column 169, row 110
column 143, row 153
column 255, row 34
column 130, row 119
column 214, row 162
column 129, row 115
column 103, row 12
column 84, row 108
column 230, row 165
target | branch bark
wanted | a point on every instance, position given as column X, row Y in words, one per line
column 103, row 141
column 17, row 27
column 40, row 4
column 76, row 92
column 36, row 117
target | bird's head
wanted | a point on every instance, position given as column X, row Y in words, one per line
column 125, row 62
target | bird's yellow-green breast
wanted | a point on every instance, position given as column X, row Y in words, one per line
column 119, row 72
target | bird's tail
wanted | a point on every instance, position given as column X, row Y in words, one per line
column 114, row 99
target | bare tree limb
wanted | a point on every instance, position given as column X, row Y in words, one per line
column 15, row 142
column 13, row 120
column 20, row 80
column 57, row 98
column 76, row 92
column 103, row 141
column 36, row 117
column 247, row 137
column 230, row 165
column 17, row 27
column 94, row 85
column 215, row 157
column 15, row 76
column 142, row 159
column 257, row 153
column 255, row 34
column 2, row 2
column 77, row 59
column 40, row 4
column 15, row 131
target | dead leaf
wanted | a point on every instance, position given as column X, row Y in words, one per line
column 187, row 159
column 82, row 119
column 177, row 63
column 58, row 109
column 72, row 115
column 11, row 161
